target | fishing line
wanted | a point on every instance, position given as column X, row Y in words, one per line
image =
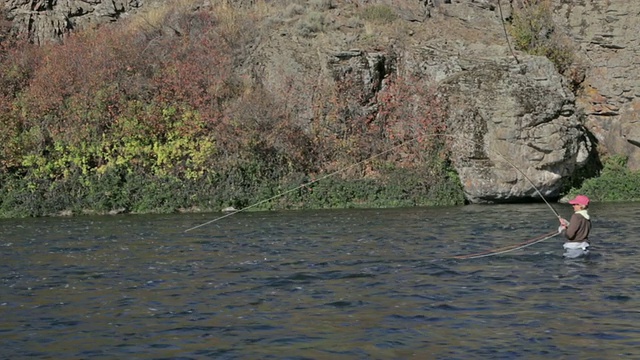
column 367, row 160
column 506, row 249
column 522, row 245
column 303, row 185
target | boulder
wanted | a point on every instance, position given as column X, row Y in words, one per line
column 513, row 129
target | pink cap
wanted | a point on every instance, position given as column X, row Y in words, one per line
column 580, row 200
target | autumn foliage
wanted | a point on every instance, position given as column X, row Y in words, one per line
column 157, row 118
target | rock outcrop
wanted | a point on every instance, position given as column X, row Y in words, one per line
column 49, row 20
column 513, row 127
column 607, row 32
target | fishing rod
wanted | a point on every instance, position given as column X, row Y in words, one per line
column 530, row 182
column 367, row 160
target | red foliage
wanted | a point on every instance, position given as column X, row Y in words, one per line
column 82, row 65
column 193, row 66
column 404, row 111
column 17, row 65
column 411, row 110
column 88, row 82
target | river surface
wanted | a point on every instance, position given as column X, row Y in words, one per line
column 339, row 284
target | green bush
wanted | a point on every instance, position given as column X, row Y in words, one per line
column 393, row 187
column 615, row 183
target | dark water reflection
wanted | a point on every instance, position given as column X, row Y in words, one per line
column 353, row 284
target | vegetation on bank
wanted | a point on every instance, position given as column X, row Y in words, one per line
column 154, row 117
column 615, row 182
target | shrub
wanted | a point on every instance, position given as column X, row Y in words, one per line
column 396, row 187
column 379, row 14
column 615, row 183
column 535, row 32
column 311, row 24
column 413, row 114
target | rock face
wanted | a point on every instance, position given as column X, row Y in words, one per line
column 607, row 32
column 513, row 126
column 507, row 117
column 49, row 20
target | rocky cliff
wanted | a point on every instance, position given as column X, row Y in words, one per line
column 513, row 119
column 607, row 32
column 51, row 20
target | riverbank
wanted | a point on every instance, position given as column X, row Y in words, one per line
column 114, row 193
column 118, row 193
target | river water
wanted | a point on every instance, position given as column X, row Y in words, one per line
column 339, row 284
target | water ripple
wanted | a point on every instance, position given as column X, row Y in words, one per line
column 352, row 284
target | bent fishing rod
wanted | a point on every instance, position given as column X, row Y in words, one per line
column 522, row 245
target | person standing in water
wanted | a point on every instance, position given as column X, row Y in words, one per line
column 577, row 229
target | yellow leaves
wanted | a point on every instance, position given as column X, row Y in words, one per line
column 180, row 154
column 168, row 154
column 33, row 160
column 62, row 160
column 176, row 143
column 102, row 169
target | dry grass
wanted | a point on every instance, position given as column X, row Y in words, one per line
column 231, row 17
column 155, row 15
column 379, row 14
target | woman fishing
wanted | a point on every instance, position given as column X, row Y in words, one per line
column 577, row 229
